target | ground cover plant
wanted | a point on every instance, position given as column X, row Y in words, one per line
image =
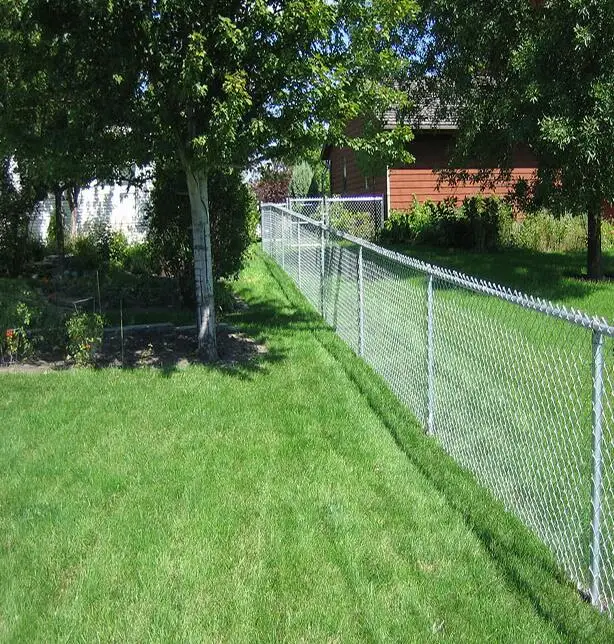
column 291, row 498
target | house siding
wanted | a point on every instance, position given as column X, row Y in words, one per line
column 420, row 180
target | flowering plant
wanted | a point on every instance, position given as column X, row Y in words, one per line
column 84, row 337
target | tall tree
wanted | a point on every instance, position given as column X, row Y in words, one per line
column 534, row 72
column 57, row 119
column 221, row 83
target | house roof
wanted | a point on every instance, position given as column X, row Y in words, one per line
column 426, row 115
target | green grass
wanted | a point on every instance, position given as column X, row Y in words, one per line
column 295, row 499
column 547, row 275
column 513, row 388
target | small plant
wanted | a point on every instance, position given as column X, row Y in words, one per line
column 359, row 224
column 84, row 332
column 15, row 342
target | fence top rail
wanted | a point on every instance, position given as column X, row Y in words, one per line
column 331, row 199
column 574, row 316
column 301, row 200
column 358, row 198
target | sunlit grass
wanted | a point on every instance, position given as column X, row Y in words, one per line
column 293, row 499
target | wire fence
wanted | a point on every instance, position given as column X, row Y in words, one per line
column 516, row 389
column 360, row 216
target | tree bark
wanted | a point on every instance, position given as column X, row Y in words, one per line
column 72, row 194
column 593, row 257
column 59, row 227
column 198, row 192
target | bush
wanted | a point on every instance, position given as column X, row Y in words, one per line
column 16, row 207
column 234, row 216
column 359, row 224
column 20, row 308
column 84, row 331
column 543, row 232
column 300, row 183
column 480, row 223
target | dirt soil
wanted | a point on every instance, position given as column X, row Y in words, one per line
column 163, row 345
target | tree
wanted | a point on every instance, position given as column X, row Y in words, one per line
column 273, row 183
column 57, row 119
column 534, row 73
column 221, row 83
column 234, row 216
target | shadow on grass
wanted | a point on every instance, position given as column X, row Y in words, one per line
column 553, row 276
column 522, row 559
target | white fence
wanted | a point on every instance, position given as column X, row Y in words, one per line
column 516, row 389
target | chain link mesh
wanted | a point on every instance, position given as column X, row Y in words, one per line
column 516, row 390
column 359, row 216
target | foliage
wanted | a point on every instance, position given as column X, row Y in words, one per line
column 544, row 232
column 480, row 223
column 357, row 223
column 84, row 331
column 273, row 183
column 301, row 181
column 99, row 247
column 213, row 85
column 234, row 216
column 20, row 308
column 16, row 206
column 536, row 74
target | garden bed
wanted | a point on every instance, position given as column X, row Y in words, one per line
column 148, row 345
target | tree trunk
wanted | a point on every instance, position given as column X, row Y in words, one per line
column 203, row 268
column 72, row 194
column 593, row 257
column 59, row 227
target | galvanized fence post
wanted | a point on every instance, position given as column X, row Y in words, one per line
column 283, row 241
column 595, row 565
column 298, row 244
column 430, row 353
column 325, row 211
column 322, row 253
column 361, row 306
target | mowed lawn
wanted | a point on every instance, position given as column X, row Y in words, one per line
column 552, row 276
column 291, row 500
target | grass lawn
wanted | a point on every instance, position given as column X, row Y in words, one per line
column 512, row 387
column 293, row 500
column 547, row 275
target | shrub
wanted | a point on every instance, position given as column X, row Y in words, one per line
column 138, row 259
column 543, row 232
column 359, row 224
column 300, row 183
column 480, row 223
column 234, row 216
column 84, row 331
column 16, row 207
column 20, row 307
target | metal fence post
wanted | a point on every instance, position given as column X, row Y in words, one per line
column 322, row 257
column 283, row 241
column 324, row 210
column 361, row 306
column 595, row 566
column 430, row 352
column 298, row 244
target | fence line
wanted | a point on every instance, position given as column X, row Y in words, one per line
column 362, row 215
column 516, row 389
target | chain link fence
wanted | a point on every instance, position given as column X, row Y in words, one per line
column 516, row 389
column 359, row 216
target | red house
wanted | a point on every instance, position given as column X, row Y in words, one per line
column 431, row 148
